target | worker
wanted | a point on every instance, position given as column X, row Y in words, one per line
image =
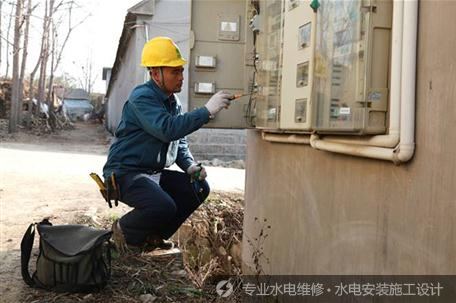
column 150, row 137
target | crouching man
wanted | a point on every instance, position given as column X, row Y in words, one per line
column 151, row 137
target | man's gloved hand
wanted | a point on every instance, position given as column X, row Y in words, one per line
column 197, row 172
column 219, row 101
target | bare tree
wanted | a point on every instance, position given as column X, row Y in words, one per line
column 1, row 12
column 24, row 55
column 44, row 54
column 57, row 53
column 50, row 49
column 46, row 50
column 31, row 93
column 7, row 40
column 16, row 48
column 35, row 69
column 88, row 80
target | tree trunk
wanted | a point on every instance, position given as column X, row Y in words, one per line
column 1, row 34
column 16, row 85
column 30, row 103
column 50, row 95
column 33, row 73
column 43, row 61
column 7, row 40
column 24, row 58
column 51, row 76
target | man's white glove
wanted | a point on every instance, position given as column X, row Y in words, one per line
column 219, row 101
column 197, row 172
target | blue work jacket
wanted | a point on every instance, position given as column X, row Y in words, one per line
column 152, row 121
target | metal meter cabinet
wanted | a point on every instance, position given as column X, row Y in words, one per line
column 220, row 58
column 298, row 65
column 352, row 59
column 269, row 64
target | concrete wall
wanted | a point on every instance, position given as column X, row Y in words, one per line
column 126, row 79
column 223, row 144
column 337, row 214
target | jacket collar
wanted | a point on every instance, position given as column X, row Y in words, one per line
column 160, row 92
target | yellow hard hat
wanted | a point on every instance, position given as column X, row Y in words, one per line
column 161, row 51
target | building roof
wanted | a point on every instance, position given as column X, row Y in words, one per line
column 77, row 103
column 145, row 7
column 121, row 48
column 77, row 93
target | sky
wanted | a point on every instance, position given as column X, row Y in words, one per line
column 96, row 39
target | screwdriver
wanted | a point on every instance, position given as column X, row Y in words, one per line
column 237, row 96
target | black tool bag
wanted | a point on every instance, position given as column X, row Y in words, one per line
column 72, row 258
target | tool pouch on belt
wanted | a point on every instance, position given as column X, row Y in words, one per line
column 109, row 189
column 112, row 190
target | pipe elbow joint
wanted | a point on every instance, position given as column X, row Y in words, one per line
column 403, row 153
column 313, row 140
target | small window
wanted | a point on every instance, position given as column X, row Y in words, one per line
column 301, row 110
column 302, row 75
column 304, row 35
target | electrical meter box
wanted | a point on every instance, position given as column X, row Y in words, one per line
column 352, row 59
column 298, row 65
column 269, row 64
column 285, row 48
column 324, row 70
column 221, row 58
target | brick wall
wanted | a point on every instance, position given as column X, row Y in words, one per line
column 223, row 144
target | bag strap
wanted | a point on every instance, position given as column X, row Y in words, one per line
column 26, row 250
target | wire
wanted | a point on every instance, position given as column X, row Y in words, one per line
column 251, row 105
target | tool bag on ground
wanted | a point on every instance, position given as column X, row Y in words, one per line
column 72, row 258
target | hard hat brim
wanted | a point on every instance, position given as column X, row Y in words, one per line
column 174, row 63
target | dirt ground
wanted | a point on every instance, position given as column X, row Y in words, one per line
column 47, row 177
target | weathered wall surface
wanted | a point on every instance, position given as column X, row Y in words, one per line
column 223, row 144
column 337, row 214
column 126, row 79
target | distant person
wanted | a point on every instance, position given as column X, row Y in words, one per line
column 151, row 137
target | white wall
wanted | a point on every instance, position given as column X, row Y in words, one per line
column 172, row 19
column 126, row 78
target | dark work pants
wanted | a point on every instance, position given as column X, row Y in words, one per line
column 158, row 209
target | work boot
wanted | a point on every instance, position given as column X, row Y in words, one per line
column 150, row 245
column 118, row 237
column 158, row 243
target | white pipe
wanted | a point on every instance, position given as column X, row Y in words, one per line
column 408, row 12
column 286, row 138
column 391, row 140
column 354, row 150
column 406, row 146
column 396, row 69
